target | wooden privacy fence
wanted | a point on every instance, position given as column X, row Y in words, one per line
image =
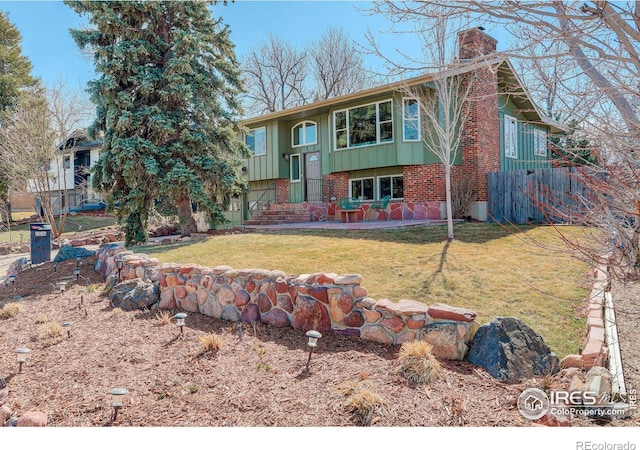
column 535, row 196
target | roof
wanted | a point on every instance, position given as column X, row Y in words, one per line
column 323, row 106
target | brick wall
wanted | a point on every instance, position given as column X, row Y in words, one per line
column 282, row 190
column 340, row 181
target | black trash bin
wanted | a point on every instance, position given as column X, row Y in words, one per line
column 40, row 242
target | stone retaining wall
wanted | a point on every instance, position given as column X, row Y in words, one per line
column 322, row 212
column 321, row 301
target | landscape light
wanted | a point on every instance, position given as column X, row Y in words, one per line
column 116, row 395
column 313, row 342
column 78, row 261
column 22, row 358
column 54, row 264
column 62, row 285
column 12, row 279
column 180, row 321
column 67, row 326
column 119, row 266
column 76, row 272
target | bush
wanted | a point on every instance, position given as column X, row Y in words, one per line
column 417, row 363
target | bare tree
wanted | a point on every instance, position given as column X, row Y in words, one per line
column 599, row 42
column 29, row 140
column 337, row 66
column 444, row 108
column 275, row 74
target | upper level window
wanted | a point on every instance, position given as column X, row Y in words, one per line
column 539, row 143
column 363, row 125
column 304, row 133
column 410, row 119
column 257, row 141
column 510, row 137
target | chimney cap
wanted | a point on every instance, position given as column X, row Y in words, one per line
column 481, row 28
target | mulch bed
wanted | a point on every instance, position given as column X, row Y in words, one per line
column 257, row 380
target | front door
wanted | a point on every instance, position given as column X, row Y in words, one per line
column 313, row 177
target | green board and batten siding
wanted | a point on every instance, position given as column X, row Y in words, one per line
column 526, row 159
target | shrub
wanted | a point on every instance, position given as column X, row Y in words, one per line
column 10, row 310
column 42, row 318
column 210, row 343
column 50, row 330
column 365, row 405
column 163, row 317
column 417, row 363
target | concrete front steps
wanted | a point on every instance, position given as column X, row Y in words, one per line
column 276, row 217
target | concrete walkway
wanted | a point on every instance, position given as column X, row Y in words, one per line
column 334, row 225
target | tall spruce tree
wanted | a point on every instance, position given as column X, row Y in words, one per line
column 167, row 106
column 15, row 74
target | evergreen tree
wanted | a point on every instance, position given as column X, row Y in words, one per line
column 15, row 74
column 167, row 105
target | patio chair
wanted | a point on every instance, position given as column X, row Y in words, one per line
column 380, row 205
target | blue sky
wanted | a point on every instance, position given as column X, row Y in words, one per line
column 45, row 25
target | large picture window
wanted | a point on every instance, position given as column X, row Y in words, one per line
column 510, row 137
column 410, row 119
column 363, row 125
column 539, row 143
column 256, row 140
column 304, row 133
column 392, row 185
column 361, row 188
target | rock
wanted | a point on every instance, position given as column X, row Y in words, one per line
column 189, row 303
column 134, row 294
column 230, row 312
column 212, row 307
column 319, row 293
column 510, row 350
column 376, row 333
column 310, row 314
column 572, row 361
column 264, row 303
column 4, row 393
column 554, row 420
column 167, row 299
column 242, row 298
column 226, row 296
column 277, row 318
column 446, row 312
column 33, row 419
column 68, row 252
column 354, row 320
column 349, row 278
column 598, row 380
column 284, row 302
column 393, row 323
column 5, row 413
column 577, row 383
column 250, row 313
column 445, row 340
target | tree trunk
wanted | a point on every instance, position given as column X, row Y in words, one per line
column 187, row 222
column 447, row 184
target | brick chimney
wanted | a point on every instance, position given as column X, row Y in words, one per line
column 474, row 43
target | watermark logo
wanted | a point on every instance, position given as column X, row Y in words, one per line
column 533, row 403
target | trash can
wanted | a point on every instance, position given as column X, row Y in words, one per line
column 40, row 242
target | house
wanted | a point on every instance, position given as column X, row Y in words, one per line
column 70, row 183
column 367, row 145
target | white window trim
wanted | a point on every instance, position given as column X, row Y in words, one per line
column 362, row 178
column 335, row 141
column 291, row 158
column 404, row 120
column 304, row 133
column 379, row 194
column 540, row 143
column 265, row 140
column 510, row 125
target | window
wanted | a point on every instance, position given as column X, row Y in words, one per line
column 539, row 143
column 361, row 188
column 392, row 186
column 257, row 141
column 510, row 137
column 304, row 133
column 67, row 162
column 294, row 163
column 363, row 125
column 410, row 119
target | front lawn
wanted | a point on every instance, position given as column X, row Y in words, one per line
column 75, row 223
column 492, row 270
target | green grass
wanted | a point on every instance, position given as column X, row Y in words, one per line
column 492, row 270
column 73, row 224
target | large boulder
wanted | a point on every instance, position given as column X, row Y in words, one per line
column 134, row 294
column 69, row 252
column 511, row 350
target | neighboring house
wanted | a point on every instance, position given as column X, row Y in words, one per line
column 367, row 145
column 71, row 179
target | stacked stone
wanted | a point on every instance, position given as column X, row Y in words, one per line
column 135, row 265
column 595, row 350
